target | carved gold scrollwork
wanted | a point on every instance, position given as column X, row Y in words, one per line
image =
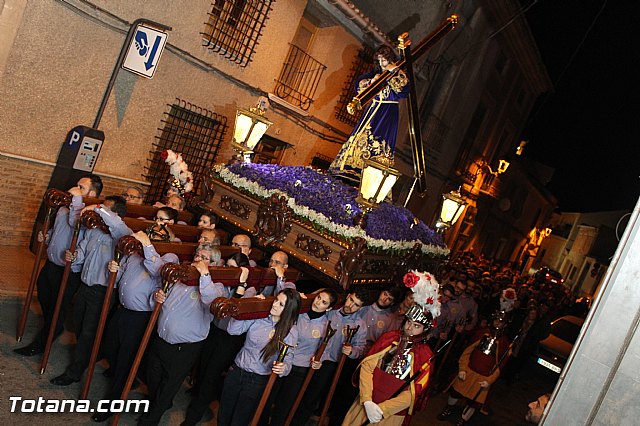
column 313, row 247
column 235, row 207
column 350, row 261
column 274, row 220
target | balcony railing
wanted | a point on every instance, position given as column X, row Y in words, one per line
column 299, row 78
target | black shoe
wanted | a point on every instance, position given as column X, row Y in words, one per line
column 445, row 413
column 101, row 417
column 63, row 380
column 30, row 350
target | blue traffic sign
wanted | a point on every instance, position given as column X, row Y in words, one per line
column 144, row 51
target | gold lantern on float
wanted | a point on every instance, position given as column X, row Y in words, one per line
column 377, row 179
column 452, row 207
column 249, row 128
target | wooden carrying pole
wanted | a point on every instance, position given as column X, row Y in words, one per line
column 171, row 273
column 329, row 332
column 121, row 248
column 325, row 408
column 53, row 198
column 267, row 390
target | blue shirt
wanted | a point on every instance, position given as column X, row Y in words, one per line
column 310, row 334
column 97, row 248
column 259, row 333
column 281, row 284
column 185, row 316
column 340, row 323
column 140, row 277
column 62, row 232
column 378, row 321
column 470, row 308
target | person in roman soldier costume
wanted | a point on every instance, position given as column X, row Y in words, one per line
column 390, row 390
column 479, row 367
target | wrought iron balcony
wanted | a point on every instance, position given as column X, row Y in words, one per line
column 299, row 78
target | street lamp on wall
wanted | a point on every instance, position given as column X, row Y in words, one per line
column 378, row 178
column 250, row 126
column 503, row 166
column 483, row 166
column 452, row 207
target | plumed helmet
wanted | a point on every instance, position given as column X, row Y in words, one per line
column 418, row 314
column 425, row 294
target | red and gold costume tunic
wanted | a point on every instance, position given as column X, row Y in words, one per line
column 378, row 386
column 479, row 367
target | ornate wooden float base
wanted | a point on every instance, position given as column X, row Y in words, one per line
column 331, row 260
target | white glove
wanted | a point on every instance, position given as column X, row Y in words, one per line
column 462, row 375
column 484, row 384
column 373, row 410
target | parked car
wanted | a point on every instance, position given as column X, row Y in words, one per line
column 554, row 350
column 548, row 275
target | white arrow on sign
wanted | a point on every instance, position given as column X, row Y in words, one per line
column 144, row 51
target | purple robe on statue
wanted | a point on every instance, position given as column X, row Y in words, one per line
column 376, row 132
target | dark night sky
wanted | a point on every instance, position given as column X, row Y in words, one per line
column 588, row 127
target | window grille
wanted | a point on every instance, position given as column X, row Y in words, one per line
column 191, row 131
column 234, row 27
column 361, row 65
column 299, row 78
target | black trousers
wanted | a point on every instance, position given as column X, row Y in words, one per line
column 315, row 393
column 124, row 333
column 48, row 285
column 219, row 350
column 283, row 395
column 167, row 367
column 345, row 393
column 86, row 316
column 240, row 397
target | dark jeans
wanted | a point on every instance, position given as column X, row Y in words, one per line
column 345, row 393
column 86, row 316
column 284, row 395
column 315, row 393
column 219, row 350
column 167, row 367
column 240, row 397
column 48, row 285
column 124, row 334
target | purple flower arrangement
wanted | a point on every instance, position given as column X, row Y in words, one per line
column 337, row 202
